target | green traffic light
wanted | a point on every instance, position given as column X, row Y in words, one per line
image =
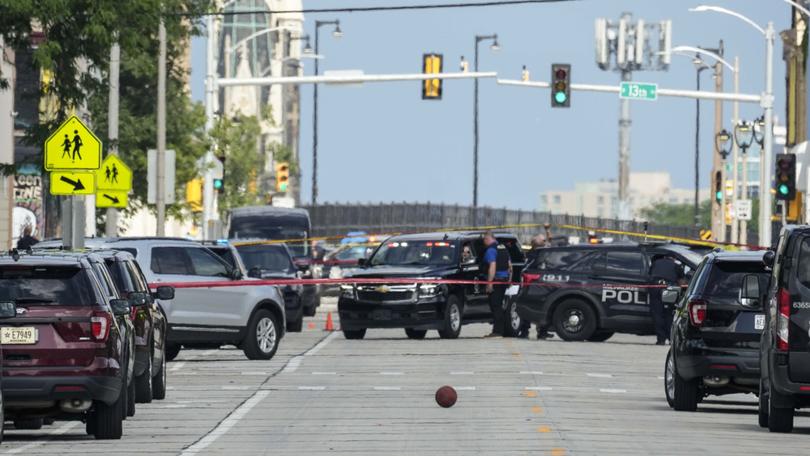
column 560, row 97
column 783, row 189
column 718, row 196
column 217, row 184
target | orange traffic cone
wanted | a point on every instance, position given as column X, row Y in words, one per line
column 330, row 325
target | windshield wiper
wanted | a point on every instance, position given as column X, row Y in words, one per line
column 34, row 300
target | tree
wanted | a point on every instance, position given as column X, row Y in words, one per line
column 678, row 214
column 235, row 143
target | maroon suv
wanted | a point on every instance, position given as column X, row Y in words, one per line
column 63, row 356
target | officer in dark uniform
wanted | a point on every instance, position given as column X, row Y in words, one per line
column 664, row 271
column 26, row 241
column 498, row 268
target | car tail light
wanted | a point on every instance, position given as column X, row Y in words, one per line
column 133, row 313
column 783, row 320
column 529, row 278
column 100, row 325
column 697, row 312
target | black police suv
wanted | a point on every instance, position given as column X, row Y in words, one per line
column 591, row 291
column 716, row 330
column 785, row 343
column 421, row 307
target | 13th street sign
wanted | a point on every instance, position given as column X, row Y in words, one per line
column 638, row 91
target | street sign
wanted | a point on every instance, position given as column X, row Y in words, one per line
column 73, row 182
column 743, row 210
column 638, row 91
column 114, row 174
column 72, row 146
column 112, row 198
column 706, row 235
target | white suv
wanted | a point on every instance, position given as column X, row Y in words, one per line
column 250, row 317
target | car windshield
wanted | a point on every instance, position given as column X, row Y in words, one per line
column 273, row 258
column 417, row 253
column 274, row 228
column 352, row 253
column 48, row 285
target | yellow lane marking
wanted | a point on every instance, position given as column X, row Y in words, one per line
column 529, row 394
column 537, row 409
column 558, row 452
column 544, row 429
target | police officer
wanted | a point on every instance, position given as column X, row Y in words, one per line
column 498, row 268
column 664, row 271
column 538, row 242
column 27, row 241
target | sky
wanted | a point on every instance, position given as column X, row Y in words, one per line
column 382, row 143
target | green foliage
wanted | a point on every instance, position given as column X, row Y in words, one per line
column 236, row 142
column 678, row 214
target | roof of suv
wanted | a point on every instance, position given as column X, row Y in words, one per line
column 447, row 235
column 740, row 256
column 55, row 258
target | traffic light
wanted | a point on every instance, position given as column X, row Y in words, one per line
column 219, row 185
column 194, row 191
column 560, row 85
column 432, row 88
column 718, row 187
column 785, row 180
column 282, row 176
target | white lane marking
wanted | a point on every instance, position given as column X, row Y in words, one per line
column 538, row 388
column 295, row 362
column 611, row 390
column 292, row 364
column 54, row 433
column 392, row 373
column 324, row 373
column 387, row 388
column 531, row 373
column 311, row 388
column 314, row 350
column 660, row 378
column 600, row 375
column 174, row 406
column 462, row 373
column 234, row 388
column 254, row 373
column 177, row 366
column 226, row 424
column 465, row 388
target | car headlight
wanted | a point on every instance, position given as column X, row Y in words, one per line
column 428, row 290
column 347, row 290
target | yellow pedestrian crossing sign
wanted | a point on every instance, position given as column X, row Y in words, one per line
column 73, row 182
column 112, row 198
column 706, row 235
column 72, row 146
column 114, row 174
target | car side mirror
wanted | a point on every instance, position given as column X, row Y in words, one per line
column 138, row 299
column 120, row 307
column 768, row 258
column 749, row 292
column 236, row 274
column 8, row 309
column 670, row 295
column 164, row 293
column 255, row 272
column 362, row 262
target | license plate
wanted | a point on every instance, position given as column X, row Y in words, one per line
column 759, row 321
column 18, row 336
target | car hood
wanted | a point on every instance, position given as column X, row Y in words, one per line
column 401, row 271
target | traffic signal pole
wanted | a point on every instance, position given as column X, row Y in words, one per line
column 111, row 222
column 208, row 159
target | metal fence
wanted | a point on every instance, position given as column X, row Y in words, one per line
column 338, row 219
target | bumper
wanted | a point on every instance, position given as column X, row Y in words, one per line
column 744, row 364
column 780, row 380
column 416, row 315
column 97, row 388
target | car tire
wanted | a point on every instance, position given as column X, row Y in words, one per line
column 143, row 385
column 297, row 325
column 124, row 401
column 159, row 381
column 30, row 424
column 453, row 313
column 513, row 320
column 311, row 310
column 130, row 405
column 106, row 420
column 669, row 380
column 172, row 351
column 354, row 334
column 686, row 393
column 779, row 419
column 763, row 405
column 263, row 336
column 416, row 334
column 601, row 336
column 574, row 320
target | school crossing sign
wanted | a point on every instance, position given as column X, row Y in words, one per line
column 72, row 146
column 113, row 181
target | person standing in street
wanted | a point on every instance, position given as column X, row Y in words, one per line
column 664, row 271
column 26, row 241
column 498, row 267
column 538, row 242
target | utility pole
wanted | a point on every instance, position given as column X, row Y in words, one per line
column 738, row 227
column 160, row 185
column 625, row 122
column 765, row 201
column 719, row 213
column 111, row 228
column 337, row 34
column 210, row 100
column 495, row 47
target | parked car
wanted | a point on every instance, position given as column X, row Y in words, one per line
column 343, row 262
column 149, row 322
column 64, row 356
column 785, row 343
column 7, row 310
column 418, row 308
column 274, row 261
column 236, row 313
column 589, row 292
column 716, row 331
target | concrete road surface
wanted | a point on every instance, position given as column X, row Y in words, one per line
column 323, row 394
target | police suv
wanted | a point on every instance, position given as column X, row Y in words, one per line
column 589, row 292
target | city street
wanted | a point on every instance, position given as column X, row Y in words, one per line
column 323, row 394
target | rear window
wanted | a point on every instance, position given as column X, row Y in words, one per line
column 725, row 279
column 62, row 286
column 564, row 260
column 267, row 258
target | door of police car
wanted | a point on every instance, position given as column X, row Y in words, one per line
column 621, row 273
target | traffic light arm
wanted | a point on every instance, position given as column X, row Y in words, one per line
column 351, row 79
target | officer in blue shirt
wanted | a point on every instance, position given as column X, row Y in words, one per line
column 498, row 268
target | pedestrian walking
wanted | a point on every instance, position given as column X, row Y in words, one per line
column 26, row 241
column 498, row 268
column 665, row 272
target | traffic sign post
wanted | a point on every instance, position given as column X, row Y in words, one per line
column 72, row 146
column 72, row 183
column 742, row 210
column 638, row 91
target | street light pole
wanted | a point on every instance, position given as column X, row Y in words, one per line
column 699, row 69
column 160, row 186
column 478, row 40
column 337, row 34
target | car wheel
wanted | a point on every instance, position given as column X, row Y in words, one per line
column 262, row 336
column 669, row 380
column 30, row 424
column 130, row 406
column 685, row 397
column 574, row 320
column 452, row 319
column 311, row 310
column 601, row 336
column 763, row 405
column 779, row 419
column 296, row 326
column 159, row 381
column 106, row 420
column 124, row 401
column 417, row 334
column 172, row 351
column 143, row 385
column 354, row 334
column 513, row 322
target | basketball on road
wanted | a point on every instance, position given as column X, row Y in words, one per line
column 446, row 396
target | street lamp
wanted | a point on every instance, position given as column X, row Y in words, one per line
column 765, row 210
column 336, row 33
column 744, row 137
column 494, row 47
column 759, row 128
column 722, row 142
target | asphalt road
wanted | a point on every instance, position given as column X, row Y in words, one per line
column 323, row 394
